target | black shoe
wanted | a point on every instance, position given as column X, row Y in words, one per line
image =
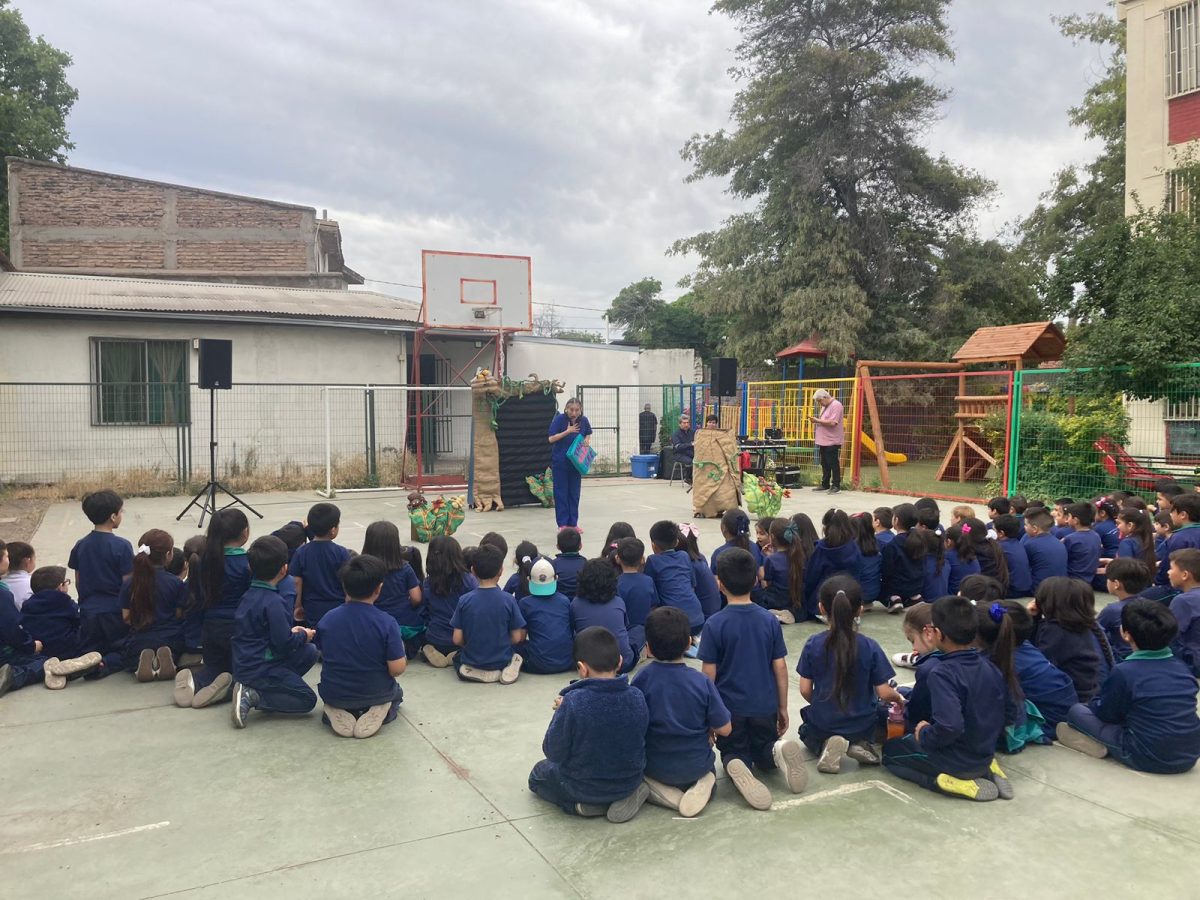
column 818, row 490
column 835, row 490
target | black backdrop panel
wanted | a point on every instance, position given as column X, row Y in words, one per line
column 524, row 448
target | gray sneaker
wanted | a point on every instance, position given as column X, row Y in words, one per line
column 341, row 721
column 832, row 753
column 753, row 790
column 185, row 688
column 145, row 666
column 591, row 810
column 510, row 672
column 625, row 809
column 1077, row 740
column 483, row 676
column 789, row 757
column 50, row 677
column 864, row 753
column 371, row 721
column 436, row 657
column 213, row 693
column 165, row 668
column 244, row 700
column 697, row 796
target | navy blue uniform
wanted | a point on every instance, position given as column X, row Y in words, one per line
column 755, row 551
column 217, row 631
column 317, row 565
column 567, row 567
column 684, row 707
column 1075, row 652
column 969, row 701
column 743, row 641
column 675, row 581
column 611, row 615
column 1047, row 559
column 869, row 575
column 567, row 480
column 777, row 573
column 595, row 746
column 825, row 562
column 824, row 716
column 958, row 570
column 268, row 656
column 52, row 617
column 16, row 645
column 1181, row 539
column 640, row 596
column 1146, row 714
column 1186, row 609
column 357, row 641
column 101, row 561
column 1020, row 575
column 1109, row 620
column 936, row 580
column 439, row 609
column 903, row 576
column 487, row 616
column 394, row 598
column 170, row 600
column 549, row 646
column 919, row 705
column 1110, row 537
column 707, row 591
column 1129, row 548
column 1045, row 685
column 1083, row 554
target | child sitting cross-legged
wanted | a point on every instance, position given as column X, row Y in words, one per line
column 1145, row 716
column 401, row 596
column 1065, row 629
column 686, row 712
column 743, row 652
column 153, row 603
column 842, row 673
column 569, row 562
column 270, row 654
column 50, row 616
column 595, row 746
column 597, row 603
column 487, row 623
column 1184, row 573
column 549, row 640
column 674, row 578
column 362, row 653
column 316, row 565
column 953, row 752
column 1125, row 578
column 447, row 579
column 635, row 587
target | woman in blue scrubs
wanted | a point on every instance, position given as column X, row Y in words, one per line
column 567, row 480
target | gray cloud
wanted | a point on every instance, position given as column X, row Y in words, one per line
column 543, row 127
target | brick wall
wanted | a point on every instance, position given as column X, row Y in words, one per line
column 93, row 254
column 1184, row 118
column 197, row 210
column 239, row 256
column 62, row 197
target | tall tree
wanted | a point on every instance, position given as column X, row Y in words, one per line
column 635, row 307
column 684, row 324
column 35, row 99
column 852, row 213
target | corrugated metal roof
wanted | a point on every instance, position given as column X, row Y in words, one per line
column 30, row 290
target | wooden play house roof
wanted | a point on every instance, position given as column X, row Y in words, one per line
column 809, row 349
column 1032, row 342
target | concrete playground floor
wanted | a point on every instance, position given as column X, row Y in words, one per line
column 109, row 790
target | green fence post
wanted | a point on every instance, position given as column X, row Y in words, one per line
column 1014, row 430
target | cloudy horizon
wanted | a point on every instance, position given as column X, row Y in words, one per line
column 547, row 128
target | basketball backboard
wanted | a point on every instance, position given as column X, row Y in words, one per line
column 476, row 291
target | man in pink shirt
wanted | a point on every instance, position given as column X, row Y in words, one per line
column 830, row 434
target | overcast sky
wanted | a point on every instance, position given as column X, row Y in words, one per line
column 548, row 128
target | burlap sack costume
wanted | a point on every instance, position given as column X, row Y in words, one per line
column 715, row 474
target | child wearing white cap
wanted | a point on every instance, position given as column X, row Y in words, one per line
column 549, row 642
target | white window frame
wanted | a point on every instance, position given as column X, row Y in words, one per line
column 1182, row 35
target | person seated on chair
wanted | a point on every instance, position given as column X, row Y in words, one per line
column 683, row 443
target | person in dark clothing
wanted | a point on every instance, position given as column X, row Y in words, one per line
column 683, row 443
column 647, row 429
column 596, row 744
column 1145, row 716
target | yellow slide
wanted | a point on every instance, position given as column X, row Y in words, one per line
column 868, row 445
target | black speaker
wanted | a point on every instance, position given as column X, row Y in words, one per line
column 216, row 364
column 724, row 376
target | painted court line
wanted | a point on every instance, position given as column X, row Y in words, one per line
column 845, row 790
column 67, row 842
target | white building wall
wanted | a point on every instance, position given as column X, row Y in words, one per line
column 1147, row 428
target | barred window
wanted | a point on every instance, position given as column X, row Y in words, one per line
column 139, row 382
column 1183, row 48
column 1182, row 185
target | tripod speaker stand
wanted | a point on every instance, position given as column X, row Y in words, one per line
column 216, row 373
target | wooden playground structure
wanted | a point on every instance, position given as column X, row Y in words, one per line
column 969, row 455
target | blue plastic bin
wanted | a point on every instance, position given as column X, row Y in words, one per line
column 644, row 465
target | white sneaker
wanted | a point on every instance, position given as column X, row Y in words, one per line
column 185, row 688
column 483, row 676
column 905, row 660
column 785, row 616
column 753, row 790
column 664, row 794
column 697, row 796
column 341, row 721
column 436, row 657
column 510, row 672
column 832, row 754
column 369, row 723
column 789, row 757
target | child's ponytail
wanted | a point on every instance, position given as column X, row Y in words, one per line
column 785, row 535
column 1143, row 530
column 841, row 596
column 960, row 538
column 735, row 525
column 1001, row 631
column 225, row 527
column 527, row 555
column 154, row 549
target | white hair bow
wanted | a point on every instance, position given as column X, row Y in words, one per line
column 143, row 549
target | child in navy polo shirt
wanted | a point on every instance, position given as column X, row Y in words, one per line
column 671, row 571
column 685, row 712
column 842, row 673
column 316, row 565
column 401, row 597
column 517, row 584
column 1145, row 716
column 707, row 591
column 152, row 602
column 1125, row 579
column 1185, row 533
column 21, row 659
column 1062, row 518
column 743, row 653
column 549, row 640
column 1008, row 536
column 953, row 752
column 569, row 561
column 1185, row 606
column 635, row 587
column 1084, row 546
column 596, row 744
column 487, row 623
column 835, row 553
column 1065, row 629
column 448, row 578
column 270, row 654
column 597, row 603
column 1047, row 555
column 50, row 615
column 224, row 577
column 362, row 654
column 1043, row 684
column 101, row 561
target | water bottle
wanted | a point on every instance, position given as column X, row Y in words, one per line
column 895, row 720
